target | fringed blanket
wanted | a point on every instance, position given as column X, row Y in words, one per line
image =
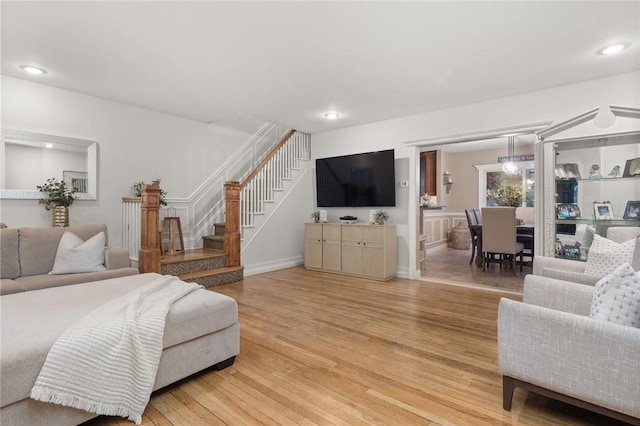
column 107, row 362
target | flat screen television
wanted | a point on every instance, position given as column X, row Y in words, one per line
column 358, row 180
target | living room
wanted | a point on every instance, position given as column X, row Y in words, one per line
column 140, row 138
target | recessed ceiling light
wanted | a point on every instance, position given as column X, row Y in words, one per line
column 332, row 115
column 49, row 145
column 614, row 48
column 33, row 70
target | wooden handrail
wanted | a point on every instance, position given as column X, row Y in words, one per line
column 266, row 159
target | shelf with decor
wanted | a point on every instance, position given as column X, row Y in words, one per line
column 597, row 186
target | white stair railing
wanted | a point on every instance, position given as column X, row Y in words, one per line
column 198, row 221
column 270, row 178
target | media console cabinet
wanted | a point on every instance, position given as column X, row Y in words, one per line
column 360, row 250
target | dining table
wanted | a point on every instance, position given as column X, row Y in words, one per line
column 522, row 229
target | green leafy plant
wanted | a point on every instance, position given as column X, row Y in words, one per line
column 137, row 190
column 509, row 195
column 58, row 194
column 315, row 216
column 380, row 216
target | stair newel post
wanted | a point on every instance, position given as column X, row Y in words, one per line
column 232, row 222
column 149, row 254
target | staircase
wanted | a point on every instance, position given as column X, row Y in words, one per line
column 208, row 266
column 253, row 195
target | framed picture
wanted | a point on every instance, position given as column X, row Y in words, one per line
column 632, row 211
column 632, row 168
column 567, row 211
column 603, row 210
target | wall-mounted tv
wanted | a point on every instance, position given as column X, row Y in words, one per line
column 359, row 180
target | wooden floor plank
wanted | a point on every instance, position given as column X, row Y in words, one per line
column 321, row 349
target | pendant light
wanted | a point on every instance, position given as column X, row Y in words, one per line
column 509, row 166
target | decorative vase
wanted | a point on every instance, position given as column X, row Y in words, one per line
column 60, row 216
column 379, row 222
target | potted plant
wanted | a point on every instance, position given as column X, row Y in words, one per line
column 380, row 216
column 137, row 190
column 315, row 216
column 509, row 195
column 59, row 199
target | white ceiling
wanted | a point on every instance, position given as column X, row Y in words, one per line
column 290, row 62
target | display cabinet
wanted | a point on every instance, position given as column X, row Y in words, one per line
column 596, row 185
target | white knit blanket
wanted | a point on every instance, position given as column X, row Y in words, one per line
column 107, row 362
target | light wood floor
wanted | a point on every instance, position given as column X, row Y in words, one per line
column 449, row 265
column 326, row 349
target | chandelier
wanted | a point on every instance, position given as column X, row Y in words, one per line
column 509, row 166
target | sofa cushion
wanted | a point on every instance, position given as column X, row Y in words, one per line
column 617, row 297
column 9, row 263
column 38, row 246
column 606, row 255
column 32, row 321
column 39, row 282
column 74, row 255
column 8, row 286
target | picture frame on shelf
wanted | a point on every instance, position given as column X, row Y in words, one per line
column 632, row 168
column 602, row 210
column 632, row 211
column 567, row 211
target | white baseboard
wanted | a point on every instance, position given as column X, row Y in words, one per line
column 261, row 268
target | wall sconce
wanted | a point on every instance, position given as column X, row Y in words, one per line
column 447, row 181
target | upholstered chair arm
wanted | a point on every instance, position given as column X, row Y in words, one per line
column 540, row 263
column 559, row 295
column 116, row 257
column 591, row 360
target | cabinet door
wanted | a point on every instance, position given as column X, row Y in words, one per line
column 352, row 249
column 373, row 251
column 373, row 260
column 313, row 245
column 331, row 247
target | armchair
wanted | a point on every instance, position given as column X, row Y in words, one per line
column 547, row 344
column 573, row 271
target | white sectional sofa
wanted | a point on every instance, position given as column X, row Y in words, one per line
column 201, row 331
column 28, row 255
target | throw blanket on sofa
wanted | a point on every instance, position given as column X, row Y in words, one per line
column 107, row 362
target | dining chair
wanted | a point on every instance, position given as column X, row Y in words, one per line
column 499, row 242
column 478, row 215
column 473, row 230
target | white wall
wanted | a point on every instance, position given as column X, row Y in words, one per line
column 557, row 104
column 137, row 144
column 134, row 144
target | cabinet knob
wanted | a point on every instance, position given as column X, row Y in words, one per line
column 358, row 242
column 364, row 244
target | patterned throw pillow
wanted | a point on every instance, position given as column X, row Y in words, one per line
column 617, row 297
column 606, row 255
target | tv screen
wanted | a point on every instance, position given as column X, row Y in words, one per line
column 359, row 180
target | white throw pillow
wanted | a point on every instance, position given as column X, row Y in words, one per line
column 606, row 255
column 76, row 256
column 617, row 297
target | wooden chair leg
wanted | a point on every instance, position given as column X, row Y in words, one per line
column 508, row 386
column 473, row 250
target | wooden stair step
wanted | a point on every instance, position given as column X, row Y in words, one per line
column 213, row 242
column 215, row 277
column 192, row 254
